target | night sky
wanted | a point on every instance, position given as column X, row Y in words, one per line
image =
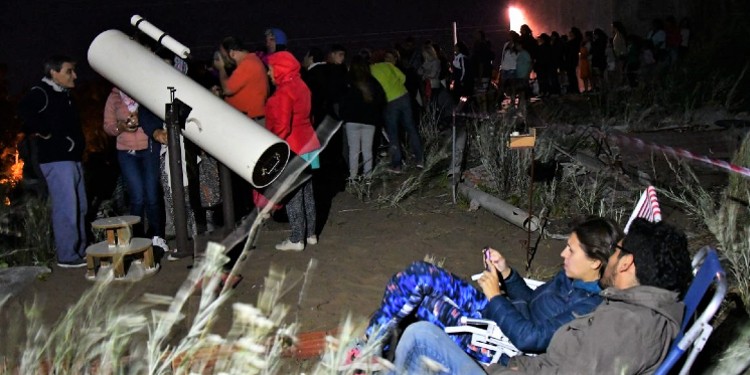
column 35, row 29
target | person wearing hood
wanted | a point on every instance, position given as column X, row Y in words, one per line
column 288, row 116
column 629, row 333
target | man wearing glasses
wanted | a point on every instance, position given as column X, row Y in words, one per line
column 629, row 333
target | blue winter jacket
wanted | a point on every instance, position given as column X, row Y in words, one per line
column 529, row 317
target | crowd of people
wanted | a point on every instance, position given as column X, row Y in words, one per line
column 581, row 62
column 379, row 95
column 614, row 307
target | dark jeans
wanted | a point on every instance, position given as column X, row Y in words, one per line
column 398, row 112
column 301, row 211
column 140, row 170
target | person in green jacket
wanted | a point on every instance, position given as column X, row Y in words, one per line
column 398, row 111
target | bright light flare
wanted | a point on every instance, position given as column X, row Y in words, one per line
column 517, row 18
column 14, row 174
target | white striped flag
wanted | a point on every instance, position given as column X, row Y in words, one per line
column 647, row 208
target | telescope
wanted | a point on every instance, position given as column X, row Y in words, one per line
column 244, row 146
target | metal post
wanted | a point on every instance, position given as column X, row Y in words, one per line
column 176, row 180
column 530, row 250
column 454, row 181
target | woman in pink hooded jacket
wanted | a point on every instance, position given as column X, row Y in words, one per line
column 288, row 116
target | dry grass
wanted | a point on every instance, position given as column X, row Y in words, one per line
column 26, row 228
column 725, row 213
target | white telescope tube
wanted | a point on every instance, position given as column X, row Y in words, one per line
column 241, row 144
column 161, row 37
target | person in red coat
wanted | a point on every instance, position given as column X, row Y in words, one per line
column 288, row 116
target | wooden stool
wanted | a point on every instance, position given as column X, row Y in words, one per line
column 117, row 228
column 116, row 255
column 120, row 243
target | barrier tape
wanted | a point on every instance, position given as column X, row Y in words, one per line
column 639, row 144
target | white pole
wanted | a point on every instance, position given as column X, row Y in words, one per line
column 455, row 33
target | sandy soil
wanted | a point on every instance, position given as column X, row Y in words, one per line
column 360, row 247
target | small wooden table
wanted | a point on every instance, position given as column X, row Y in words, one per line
column 120, row 243
column 117, row 228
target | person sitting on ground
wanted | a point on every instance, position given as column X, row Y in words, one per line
column 630, row 333
column 528, row 317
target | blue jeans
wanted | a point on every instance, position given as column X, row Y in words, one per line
column 140, row 170
column 426, row 339
column 398, row 112
column 67, row 194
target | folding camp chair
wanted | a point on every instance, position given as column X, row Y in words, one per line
column 486, row 334
column 709, row 272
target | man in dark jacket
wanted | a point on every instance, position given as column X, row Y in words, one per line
column 50, row 117
column 629, row 333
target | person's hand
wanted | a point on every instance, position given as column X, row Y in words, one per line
column 497, row 261
column 219, row 63
column 216, row 90
column 307, row 61
column 490, row 284
column 160, row 135
column 127, row 126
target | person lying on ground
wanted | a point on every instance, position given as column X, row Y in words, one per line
column 630, row 333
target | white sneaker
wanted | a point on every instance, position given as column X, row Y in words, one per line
column 312, row 240
column 287, row 245
column 158, row 241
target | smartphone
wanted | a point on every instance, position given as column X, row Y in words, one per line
column 487, row 256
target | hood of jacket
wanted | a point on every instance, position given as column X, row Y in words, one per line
column 662, row 301
column 285, row 66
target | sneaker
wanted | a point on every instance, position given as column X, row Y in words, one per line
column 420, row 166
column 287, row 245
column 312, row 240
column 160, row 242
column 370, row 365
column 174, row 255
column 72, row 264
column 395, row 170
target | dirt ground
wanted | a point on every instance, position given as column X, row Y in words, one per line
column 361, row 246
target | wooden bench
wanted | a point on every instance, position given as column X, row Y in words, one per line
column 118, row 244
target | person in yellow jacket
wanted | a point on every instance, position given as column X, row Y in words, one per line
column 397, row 110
